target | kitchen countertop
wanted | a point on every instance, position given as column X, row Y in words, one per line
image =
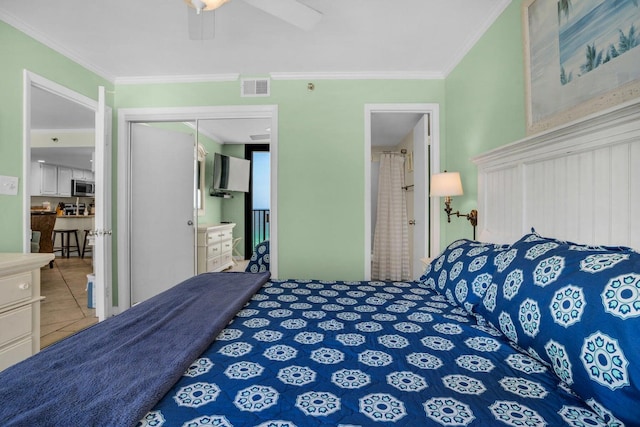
column 37, row 212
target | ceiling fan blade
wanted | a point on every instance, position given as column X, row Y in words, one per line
column 201, row 25
column 291, row 11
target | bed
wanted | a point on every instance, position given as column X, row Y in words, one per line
column 437, row 351
column 306, row 352
column 522, row 329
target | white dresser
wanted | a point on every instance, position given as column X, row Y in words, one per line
column 20, row 305
column 215, row 247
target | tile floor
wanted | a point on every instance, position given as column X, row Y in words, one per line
column 64, row 310
column 239, row 266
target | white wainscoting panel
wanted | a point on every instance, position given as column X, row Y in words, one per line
column 579, row 182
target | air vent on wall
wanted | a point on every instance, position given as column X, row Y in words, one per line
column 254, row 87
column 260, row 136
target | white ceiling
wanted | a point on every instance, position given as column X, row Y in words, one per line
column 73, row 157
column 49, row 111
column 147, row 40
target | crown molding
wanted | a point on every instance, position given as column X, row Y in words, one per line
column 196, row 78
column 363, row 75
column 205, row 132
column 76, row 130
column 231, row 77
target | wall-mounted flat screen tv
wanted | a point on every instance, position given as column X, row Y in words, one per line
column 230, row 174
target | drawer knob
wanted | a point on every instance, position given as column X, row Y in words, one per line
column 24, row 286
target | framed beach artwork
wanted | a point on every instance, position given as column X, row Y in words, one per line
column 581, row 56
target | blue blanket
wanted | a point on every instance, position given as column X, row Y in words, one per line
column 112, row 373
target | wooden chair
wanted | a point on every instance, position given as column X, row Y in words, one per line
column 44, row 222
column 86, row 247
column 65, row 246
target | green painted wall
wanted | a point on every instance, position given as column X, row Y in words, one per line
column 19, row 52
column 485, row 108
column 320, row 160
column 321, row 138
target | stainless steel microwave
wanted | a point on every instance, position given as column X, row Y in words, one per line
column 82, row 188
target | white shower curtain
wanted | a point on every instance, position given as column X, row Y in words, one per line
column 391, row 236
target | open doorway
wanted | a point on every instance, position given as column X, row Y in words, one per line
column 65, row 143
column 410, row 132
column 258, row 199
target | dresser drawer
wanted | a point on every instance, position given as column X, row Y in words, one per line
column 226, row 258
column 213, row 237
column 226, row 234
column 213, row 251
column 15, row 288
column 15, row 353
column 213, row 264
column 15, row 323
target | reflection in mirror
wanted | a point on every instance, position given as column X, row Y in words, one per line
column 202, row 157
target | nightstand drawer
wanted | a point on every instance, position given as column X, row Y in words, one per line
column 15, row 323
column 15, row 288
column 15, row 353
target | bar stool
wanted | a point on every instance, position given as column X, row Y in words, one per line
column 66, row 247
column 84, row 244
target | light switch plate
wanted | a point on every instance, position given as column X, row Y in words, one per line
column 9, row 185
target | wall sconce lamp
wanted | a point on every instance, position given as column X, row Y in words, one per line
column 448, row 184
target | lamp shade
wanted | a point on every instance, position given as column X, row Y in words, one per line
column 446, row 184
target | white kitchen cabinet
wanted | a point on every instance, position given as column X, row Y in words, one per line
column 20, row 305
column 83, row 174
column 64, row 181
column 53, row 180
column 215, row 247
column 44, row 179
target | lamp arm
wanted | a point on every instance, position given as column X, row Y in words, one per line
column 471, row 216
column 447, row 207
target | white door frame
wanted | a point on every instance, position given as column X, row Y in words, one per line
column 183, row 114
column 433, row 231
column 101, row 264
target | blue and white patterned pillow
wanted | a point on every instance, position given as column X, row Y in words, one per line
column 260, row 259
column 576, row 308
column 463, row 272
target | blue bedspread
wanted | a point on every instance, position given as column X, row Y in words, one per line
column 311, row 353
column 112, row 373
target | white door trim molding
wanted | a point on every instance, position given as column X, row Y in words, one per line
column 103, row 266
column 182, row 114
column 31, row 80
column 433, row 112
